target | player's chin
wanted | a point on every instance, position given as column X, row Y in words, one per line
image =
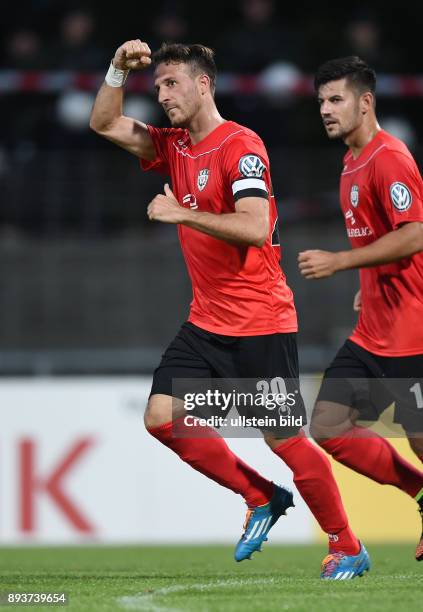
column 178, row 122
column 333, row 134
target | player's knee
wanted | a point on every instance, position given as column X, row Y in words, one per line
column 317, row 432
column 157, row 413
column 153, row 419
column 416, row 443
column 273, row 440
column 330, row 420
column 318, row 429
column 321, row 433
column 150, row 420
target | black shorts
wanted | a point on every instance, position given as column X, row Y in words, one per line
column 370, row 383
column 221, row 360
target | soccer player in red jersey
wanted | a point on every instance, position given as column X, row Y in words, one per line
column 242, row 321
column 381, row 194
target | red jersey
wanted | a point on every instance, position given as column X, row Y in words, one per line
column 237, row 290
column 379, row 191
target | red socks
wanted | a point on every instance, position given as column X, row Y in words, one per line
column 314, row 480
column 210, row 455
column 373, row 456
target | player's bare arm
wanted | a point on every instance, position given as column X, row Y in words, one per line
column 107, row 118
column 400, row 243
column 249, row 225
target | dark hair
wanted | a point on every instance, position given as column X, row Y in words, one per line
column 198, row 57
column 358, row 74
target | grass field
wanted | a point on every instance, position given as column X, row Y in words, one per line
column 200, row 579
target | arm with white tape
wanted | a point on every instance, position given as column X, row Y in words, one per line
column 107, row 118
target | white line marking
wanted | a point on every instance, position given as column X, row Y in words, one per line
column 185, row 154
column 146, row 601
column 365, row 163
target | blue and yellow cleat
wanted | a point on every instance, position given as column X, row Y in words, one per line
column 259, row 522
column 339, row 566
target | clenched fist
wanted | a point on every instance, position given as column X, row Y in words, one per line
column 165, row 208
column 132, row 55
column 319, row 264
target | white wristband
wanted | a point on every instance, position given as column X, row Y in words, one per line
column 116, row 77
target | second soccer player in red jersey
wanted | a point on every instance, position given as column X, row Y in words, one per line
column 242, row 322
column 381, row 194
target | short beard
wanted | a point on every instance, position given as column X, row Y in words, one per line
column 343, row 133
column 337, row 136
column 340, row 135
column 185, row 121
column 182, row 124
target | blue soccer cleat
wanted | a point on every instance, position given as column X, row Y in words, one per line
column 339, row 566
column 259, row 522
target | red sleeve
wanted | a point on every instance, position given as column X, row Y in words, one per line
column 399, row 187
column 246, row 167
column 162, row 139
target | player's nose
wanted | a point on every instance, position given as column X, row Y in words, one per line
column 325, row 108
column 161, row 96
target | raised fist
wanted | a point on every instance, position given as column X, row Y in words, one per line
column 132, row 55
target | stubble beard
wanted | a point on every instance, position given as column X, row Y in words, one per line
column 178, row 122
column 337, row 134
column 342, row 132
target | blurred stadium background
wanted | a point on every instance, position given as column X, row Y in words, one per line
column 92, row 292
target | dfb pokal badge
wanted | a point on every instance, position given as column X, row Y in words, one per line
column 203, row 177
column 354, row 196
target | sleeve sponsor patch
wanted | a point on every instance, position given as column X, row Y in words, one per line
column 251, row 166
column 401, row 197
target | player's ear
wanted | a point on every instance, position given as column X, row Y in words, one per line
column 204, row 83
column 366, row 102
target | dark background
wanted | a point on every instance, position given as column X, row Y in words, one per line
column 87, row 283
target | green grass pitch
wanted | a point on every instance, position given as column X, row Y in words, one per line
column 206, row 579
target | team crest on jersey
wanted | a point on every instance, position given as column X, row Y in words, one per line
column 251, row 166
column 203, row 177
column 354, row 196
column 400, row 196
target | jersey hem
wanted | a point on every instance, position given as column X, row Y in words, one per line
column 382, row 353
column 251, row 332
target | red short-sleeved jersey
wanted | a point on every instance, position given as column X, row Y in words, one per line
column 379, row 191
column 237, row 290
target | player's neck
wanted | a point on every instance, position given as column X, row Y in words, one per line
column 361, row 137
column 205, row 121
